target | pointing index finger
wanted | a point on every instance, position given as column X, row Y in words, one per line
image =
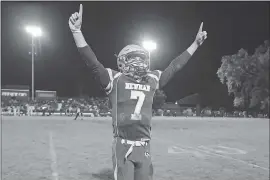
column 81, row 10
column 201, row 26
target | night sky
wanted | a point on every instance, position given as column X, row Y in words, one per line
column 109, row 26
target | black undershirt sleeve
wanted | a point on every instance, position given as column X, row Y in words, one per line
column 97, row 69
column 173, row 67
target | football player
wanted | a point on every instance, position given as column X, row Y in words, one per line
column 131, row 91
column 78, row 113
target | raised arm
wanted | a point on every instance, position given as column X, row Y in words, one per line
column 97, row 69
column 179, row 62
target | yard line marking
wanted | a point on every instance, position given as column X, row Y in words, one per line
column 53, row 158
column 231, row 158
column 181, row 150
column 213, row 154
column 222, row 149
column 176, row 150
column 240, row 151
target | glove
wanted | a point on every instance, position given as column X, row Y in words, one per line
column 75, row 21
column 201, row 36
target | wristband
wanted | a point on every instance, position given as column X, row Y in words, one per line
column 76, row 31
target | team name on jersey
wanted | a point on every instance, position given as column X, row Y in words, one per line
column 137, row 87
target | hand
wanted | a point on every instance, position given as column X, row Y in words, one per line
column 201, row 36
column 75, row 20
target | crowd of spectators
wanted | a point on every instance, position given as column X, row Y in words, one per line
column 206, row 112
column 97, row 107
column 61, row 106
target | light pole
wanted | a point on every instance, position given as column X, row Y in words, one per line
column 34, row 31
column 149, row 46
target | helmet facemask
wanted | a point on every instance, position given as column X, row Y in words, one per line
column 134, row 64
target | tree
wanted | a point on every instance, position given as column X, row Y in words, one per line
column 247, row 77
column 159, row 99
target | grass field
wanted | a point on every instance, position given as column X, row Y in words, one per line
column 57, row 148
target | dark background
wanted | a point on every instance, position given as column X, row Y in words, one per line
column 109, row 26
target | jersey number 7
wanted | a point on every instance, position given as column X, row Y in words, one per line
column 141, row 97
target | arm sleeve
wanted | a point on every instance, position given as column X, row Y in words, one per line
column 100, row 73
column 173, row 67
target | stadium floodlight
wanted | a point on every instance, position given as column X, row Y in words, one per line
column 149, row 45
column 35, row 31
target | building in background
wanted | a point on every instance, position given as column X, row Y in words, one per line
column 15, row 92
column 45, row 95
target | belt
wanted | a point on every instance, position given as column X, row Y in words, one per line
column 133, row 144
